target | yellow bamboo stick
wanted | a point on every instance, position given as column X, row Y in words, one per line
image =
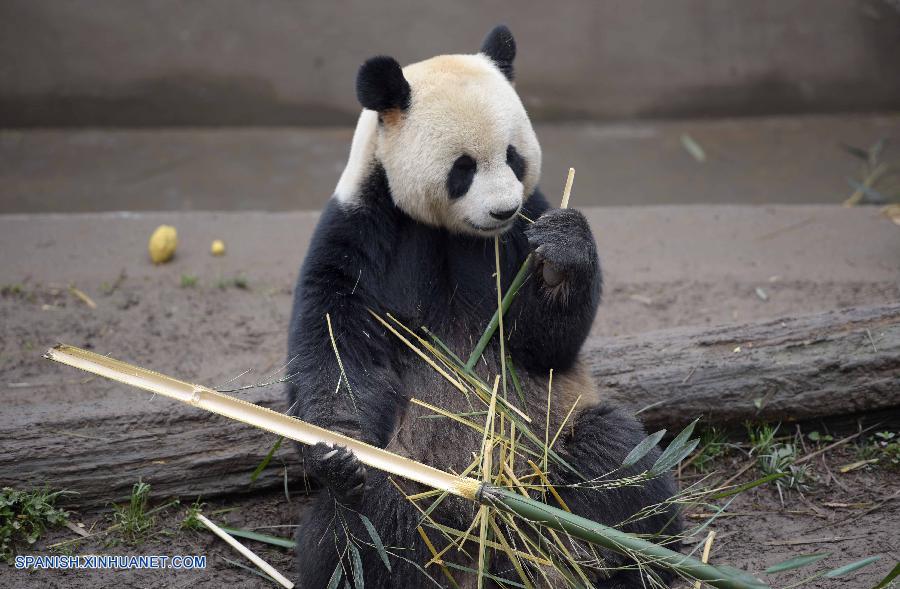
column 261, row 417
column 568, row 189
column 249, row 554
column 447, row 414
column 549, row 486
column 436, row 557
column 707, row 547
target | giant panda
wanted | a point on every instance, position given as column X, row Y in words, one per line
column 443, row 159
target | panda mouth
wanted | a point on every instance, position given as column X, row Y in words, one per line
column 499, row 227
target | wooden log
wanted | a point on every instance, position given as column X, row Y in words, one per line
column 816, row 366
column 181, row 452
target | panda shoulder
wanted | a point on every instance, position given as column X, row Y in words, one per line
column 361, row 162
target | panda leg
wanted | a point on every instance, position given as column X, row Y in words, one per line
column 321, row 538
column 597, row 444
column 316, row 553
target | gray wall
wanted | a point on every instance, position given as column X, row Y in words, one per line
column 272, row 62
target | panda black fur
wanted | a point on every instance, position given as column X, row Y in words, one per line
column 443, row 159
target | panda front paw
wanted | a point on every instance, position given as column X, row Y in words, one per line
column 339, row 470
column 563, row 245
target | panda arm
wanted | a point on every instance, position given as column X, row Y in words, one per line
column 339, row 279
column 554, row 310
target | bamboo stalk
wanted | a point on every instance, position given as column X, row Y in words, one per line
column 249, row 554
column 468, row 488
column 570, row 178
column 261, row 417
column 500, row 315
column 612, row 538
column 507, row 300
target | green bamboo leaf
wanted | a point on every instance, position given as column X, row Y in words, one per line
column 643, row 448
column 693, row 148
column 376, row 539
column 676, row 448
column 265, row 461
column 856, row 152
column 686, row 432
column 743, row 577
column 336, row 577
column 895, row 572
column 747, row 486
column 673, row 458
column 797, row 562
column 358, row 581
column 852, row 567
column 250, row 535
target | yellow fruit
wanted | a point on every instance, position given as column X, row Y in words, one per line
column 218, row 248
column 162, row 244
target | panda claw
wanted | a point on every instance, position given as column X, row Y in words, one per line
column 562, row 242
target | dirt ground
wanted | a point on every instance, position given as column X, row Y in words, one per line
column 853, row 516
column 804, row 259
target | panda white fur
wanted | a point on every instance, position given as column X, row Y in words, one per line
column 444, row 158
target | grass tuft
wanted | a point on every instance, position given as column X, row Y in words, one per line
column 25, row 516
column 238, row 282
column 880, row 449
column 777, row 458
column 133, row 519
column 190, row 521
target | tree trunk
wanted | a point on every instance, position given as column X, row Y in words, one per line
column 817, row 366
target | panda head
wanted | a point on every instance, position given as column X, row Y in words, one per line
column 452, row 136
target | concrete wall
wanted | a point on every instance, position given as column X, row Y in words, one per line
column 273, row 62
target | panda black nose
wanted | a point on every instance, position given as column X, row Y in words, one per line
column 504, row 215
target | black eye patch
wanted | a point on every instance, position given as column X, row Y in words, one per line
column 459, row 180
column 515, row 162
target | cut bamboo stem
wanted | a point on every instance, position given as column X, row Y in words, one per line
column 261, row 417
column 568, row 189
column 249, row 554
column 468, row 488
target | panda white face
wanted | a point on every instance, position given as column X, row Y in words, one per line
column 456, row 144
column 463, row 156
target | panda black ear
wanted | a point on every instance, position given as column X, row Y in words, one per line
column 500, row 46
column 380, row 85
